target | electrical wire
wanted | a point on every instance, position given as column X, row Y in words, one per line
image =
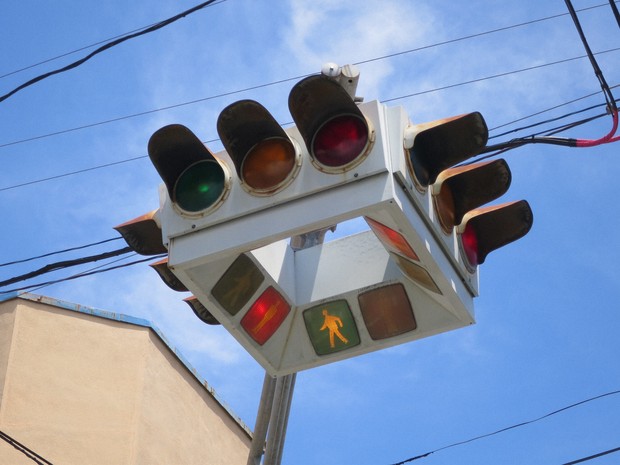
column 71, row 173
column 592, row 457
column 491, row 151
column 471, row 36
column 107, row 46
column 570, row 142
column 260, row 86
column 32, row 455
column 614, row 9
column 597, row 70
column 80, row 275
column 86, row 47
column 494, row 76
column 49, row 254
column 518, row 425
column 65, row 264
column 36, row 181
column 540, row 123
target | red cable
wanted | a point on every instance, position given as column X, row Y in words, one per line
column 603, row 140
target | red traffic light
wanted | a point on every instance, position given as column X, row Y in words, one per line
column 336, row 133
column 486, row 229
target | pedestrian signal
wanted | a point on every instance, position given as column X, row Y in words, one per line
column 265, row 315
column 331, row 327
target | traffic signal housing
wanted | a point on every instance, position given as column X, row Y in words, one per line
column 227, row 219
column 196, row 181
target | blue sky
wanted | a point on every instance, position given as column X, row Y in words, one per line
column 547, row 314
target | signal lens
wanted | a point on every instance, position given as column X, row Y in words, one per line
column 469, row 241
column 238, row 284
column 416, row 273
column 265, row 315
column 392, row 239
column 269, row 165
column 200, row 186
column 387, row 311
column 340, row 141
column 331, row 327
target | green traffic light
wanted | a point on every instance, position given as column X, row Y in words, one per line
column 200, row 186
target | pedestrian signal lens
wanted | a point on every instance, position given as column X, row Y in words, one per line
column 331, row 327
column 340, row 141
column 265, row 315
column 387, row 311
column 200, row 186
column 238, row 284
column 489, row 228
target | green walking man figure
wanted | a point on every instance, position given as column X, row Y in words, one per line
column 333, row 324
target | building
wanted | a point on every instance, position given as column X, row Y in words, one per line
column 85, row 387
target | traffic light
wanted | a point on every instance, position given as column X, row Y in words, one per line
column 457, row 192
column 237, row 224
column 143, row 234
column 196, row 181
column 336, row 133
column 265, row 159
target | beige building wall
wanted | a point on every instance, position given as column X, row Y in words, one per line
column 79, row 386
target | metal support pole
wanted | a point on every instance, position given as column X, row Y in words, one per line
column 279, row 419
column 277, row 394
column 262, row 420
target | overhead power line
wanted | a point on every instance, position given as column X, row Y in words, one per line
column 80, row 275
column 494, row 76
column 508, row 428
column 107, row 165
column 32, row 455
column 107, row 46
column 260, row 86
column 592, row 457
column 505, row 28
column 563, row 141
column 49, row 254
column 65, row 264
